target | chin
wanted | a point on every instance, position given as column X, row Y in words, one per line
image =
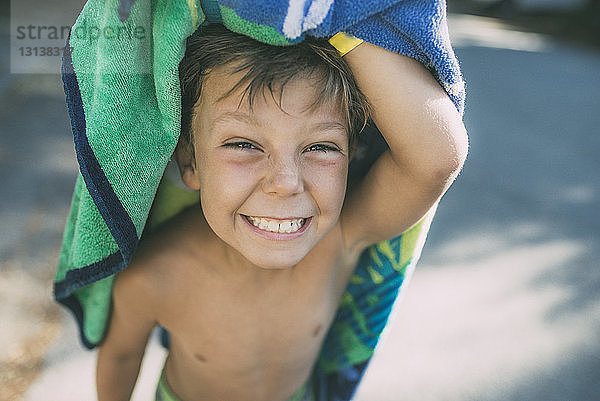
column 270, row 262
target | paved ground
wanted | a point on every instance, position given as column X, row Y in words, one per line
column 505, row 304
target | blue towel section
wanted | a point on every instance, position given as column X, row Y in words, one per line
column 269, row 13
column 416, row 28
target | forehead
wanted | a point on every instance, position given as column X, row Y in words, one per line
column 299, row 97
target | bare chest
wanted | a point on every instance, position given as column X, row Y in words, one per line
column 242, row 331
column 266, row 331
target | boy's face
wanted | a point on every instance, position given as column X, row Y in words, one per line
column 272, row 182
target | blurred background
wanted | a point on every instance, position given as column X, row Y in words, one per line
column 505, row 303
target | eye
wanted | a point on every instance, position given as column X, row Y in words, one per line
column 242, row 145
column 321, row 147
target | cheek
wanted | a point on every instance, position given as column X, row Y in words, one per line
column 328, row 184
column 226, row 182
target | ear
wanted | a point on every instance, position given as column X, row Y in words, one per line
column 187, row 166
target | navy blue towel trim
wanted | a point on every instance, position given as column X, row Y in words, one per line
column 72, row 303
column 112, row 211
column 63, row 290
column 78, row 278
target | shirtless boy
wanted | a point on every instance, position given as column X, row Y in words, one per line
column 248, row 282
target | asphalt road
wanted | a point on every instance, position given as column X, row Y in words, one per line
column 505, row 304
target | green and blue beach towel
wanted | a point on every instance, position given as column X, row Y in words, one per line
column 121, row 82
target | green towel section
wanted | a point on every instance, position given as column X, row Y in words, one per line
column 122, row 87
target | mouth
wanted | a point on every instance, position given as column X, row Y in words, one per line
column 278, row 226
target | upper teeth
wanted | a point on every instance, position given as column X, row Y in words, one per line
column 277, row 226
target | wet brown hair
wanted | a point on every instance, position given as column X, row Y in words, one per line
column 268, row 67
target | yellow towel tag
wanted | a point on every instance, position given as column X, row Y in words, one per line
column 344, row 43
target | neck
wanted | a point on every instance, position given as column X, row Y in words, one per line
column 239, row 267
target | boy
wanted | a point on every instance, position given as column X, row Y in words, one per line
column 248, row 282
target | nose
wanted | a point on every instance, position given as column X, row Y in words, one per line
column 283, row 178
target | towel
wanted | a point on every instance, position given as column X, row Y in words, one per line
column 120, row 75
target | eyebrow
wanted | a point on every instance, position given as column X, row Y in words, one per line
column 329, row 126
column 243, row 118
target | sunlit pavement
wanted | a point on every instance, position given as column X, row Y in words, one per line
column 505, row 304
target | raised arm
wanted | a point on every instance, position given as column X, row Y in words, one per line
column 121, row 353
column 428, row 146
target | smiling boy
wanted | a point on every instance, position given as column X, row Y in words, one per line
column 247, row 283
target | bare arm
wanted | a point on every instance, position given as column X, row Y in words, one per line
column 427, row 140
column 121, row 353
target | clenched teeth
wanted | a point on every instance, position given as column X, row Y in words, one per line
column 277, row 226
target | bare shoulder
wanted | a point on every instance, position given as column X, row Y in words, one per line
column 161, row 257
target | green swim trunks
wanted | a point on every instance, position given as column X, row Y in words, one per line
column 164, row 393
